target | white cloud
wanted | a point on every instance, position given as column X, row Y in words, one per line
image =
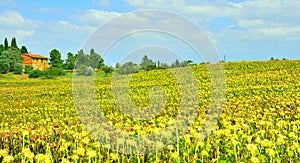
column 288, row 32
column 69, row 28
column 11, row 18
column 247, row 9
column 150, row 4
column 274, row 4
column 52, row 10
column 258, row 23
column 251, row 23
column 257, row 18
column 260, row 29
column 263, row 20
column 275, row 10
column 94, row 17
column 102, row 2
column 68, row 31
column 49, row 34
column 15, row 25
column 7, row 3
column 25, row 33
column 282, row 33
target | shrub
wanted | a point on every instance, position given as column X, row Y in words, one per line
column 4, row 66
column 53, row 72
column 28, row 69
column 85, row 70
column 160, row 68
column 36, row 74
column 18, row 69
column 81, row 70
column 150, row 67
column 61, row 72
column 89, row 71
column 48, row 75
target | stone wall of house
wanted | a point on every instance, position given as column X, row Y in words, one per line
column 40, row 64
column 37, row 63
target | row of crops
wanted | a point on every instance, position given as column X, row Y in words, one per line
column 260, row 121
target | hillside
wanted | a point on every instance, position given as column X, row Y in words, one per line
column 260, row 120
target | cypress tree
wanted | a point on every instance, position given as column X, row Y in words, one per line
column 5, row 44
column 1, row 48
column 14, row 43
column 92, row 51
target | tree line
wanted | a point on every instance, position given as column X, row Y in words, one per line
column 148, row 64
column 83, row 63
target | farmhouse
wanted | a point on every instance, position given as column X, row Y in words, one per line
column 37, row 61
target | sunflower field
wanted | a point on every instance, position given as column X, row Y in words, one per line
column 260, row 120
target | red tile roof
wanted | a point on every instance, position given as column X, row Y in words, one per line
column 35, row 56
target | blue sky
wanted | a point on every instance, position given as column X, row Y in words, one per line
column 239, row 29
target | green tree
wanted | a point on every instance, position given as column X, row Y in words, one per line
column 128, row 68
column 95, row 59
column 189, row 62
column 4, row 65
column 177, row 63
column 18, row 69
column 24, row 50
column 108, row 70
column 118, row 65
column 55, row 59
column 82, row 59
column 185, row 63
column 92, row 51
column 1, row 48
column 101, row 63
column 150, row 67
column 10, row 59
column 70, row 61
column 165, row 65
column 14, row 43
column 147, row 64
column 5, row 44
column 13, row 55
